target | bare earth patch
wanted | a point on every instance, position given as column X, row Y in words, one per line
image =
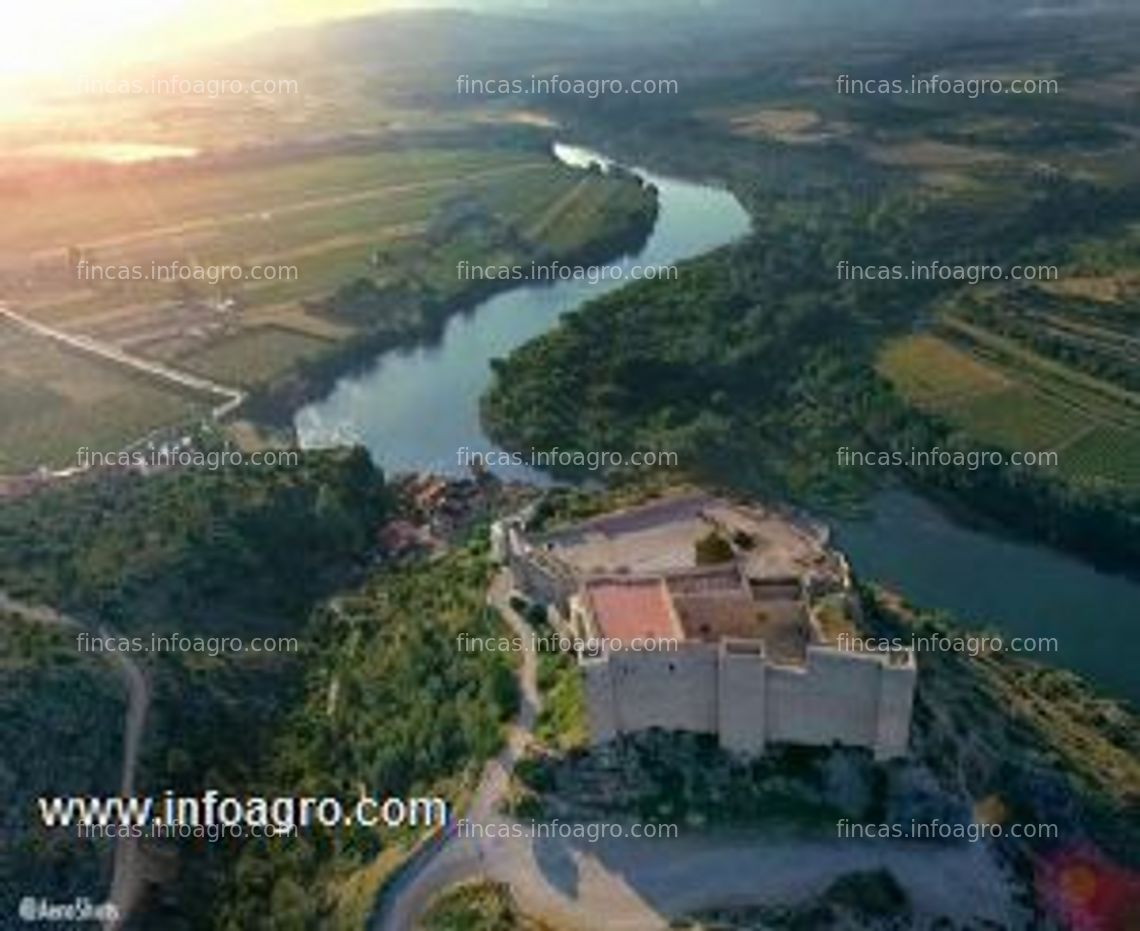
column 791, row 126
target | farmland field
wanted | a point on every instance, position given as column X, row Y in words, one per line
column 1048, row 366
column 254, row 355
column 145, row 205
column 56, row 400
column 326, row 219
column 1015, row 401
column 932, row 372
column 273, row 243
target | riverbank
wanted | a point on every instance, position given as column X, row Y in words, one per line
column 447, row 378
column 1016, row 588
column 276, row 404
column 383, row 407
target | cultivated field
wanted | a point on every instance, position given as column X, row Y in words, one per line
column 57, row 399
column 1011, row 397
column 295, row 231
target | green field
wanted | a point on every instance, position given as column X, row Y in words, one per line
column 932, row 372
column 254, row 356
column 1015, row 400
column 325, row 215
column 57, row 400
column 140, row 205
column 301, row 230
column 324, row 219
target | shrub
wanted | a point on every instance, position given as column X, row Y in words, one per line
column 713, row 549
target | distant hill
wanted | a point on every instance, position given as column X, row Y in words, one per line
column 494, row 35
column 789, row 11
column 423, row 39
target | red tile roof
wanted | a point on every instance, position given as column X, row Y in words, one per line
column 628, row 609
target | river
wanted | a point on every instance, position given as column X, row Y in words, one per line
column 415, row 409
column 1014, row 587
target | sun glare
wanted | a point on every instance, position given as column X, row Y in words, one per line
column 52, row 38
column 60, row 38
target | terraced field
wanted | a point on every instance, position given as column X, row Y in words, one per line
column 1043, row 388
column 933, row 373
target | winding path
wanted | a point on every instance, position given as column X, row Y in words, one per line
column 637, row 884
column 452, row 859
column 127, row 879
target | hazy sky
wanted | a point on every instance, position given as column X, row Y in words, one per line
column 50, row 37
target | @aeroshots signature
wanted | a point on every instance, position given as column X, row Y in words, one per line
column 83, row 909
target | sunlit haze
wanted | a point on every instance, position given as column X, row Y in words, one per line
column 53, row 38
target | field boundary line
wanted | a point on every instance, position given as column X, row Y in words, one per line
column 234, row 397
column 313, row 203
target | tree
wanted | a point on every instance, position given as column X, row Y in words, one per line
column 713, row 549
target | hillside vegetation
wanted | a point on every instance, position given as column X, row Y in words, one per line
column 391, row 708
column 70, row 709
column 234, row 553
column 765, row 359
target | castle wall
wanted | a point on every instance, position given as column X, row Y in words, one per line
column 674, row 691
column 832, row 698
column 896, row 702
column 729, row 688
column 742, row 697
column 732, row 690
column 601, row 707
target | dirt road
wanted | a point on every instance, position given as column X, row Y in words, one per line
column 127, row 879
column 637, row 884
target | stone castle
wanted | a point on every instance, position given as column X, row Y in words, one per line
column 746, row 649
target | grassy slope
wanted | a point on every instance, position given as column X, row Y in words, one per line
column 479, row 906
column 239, row 553
column 1024, row 743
